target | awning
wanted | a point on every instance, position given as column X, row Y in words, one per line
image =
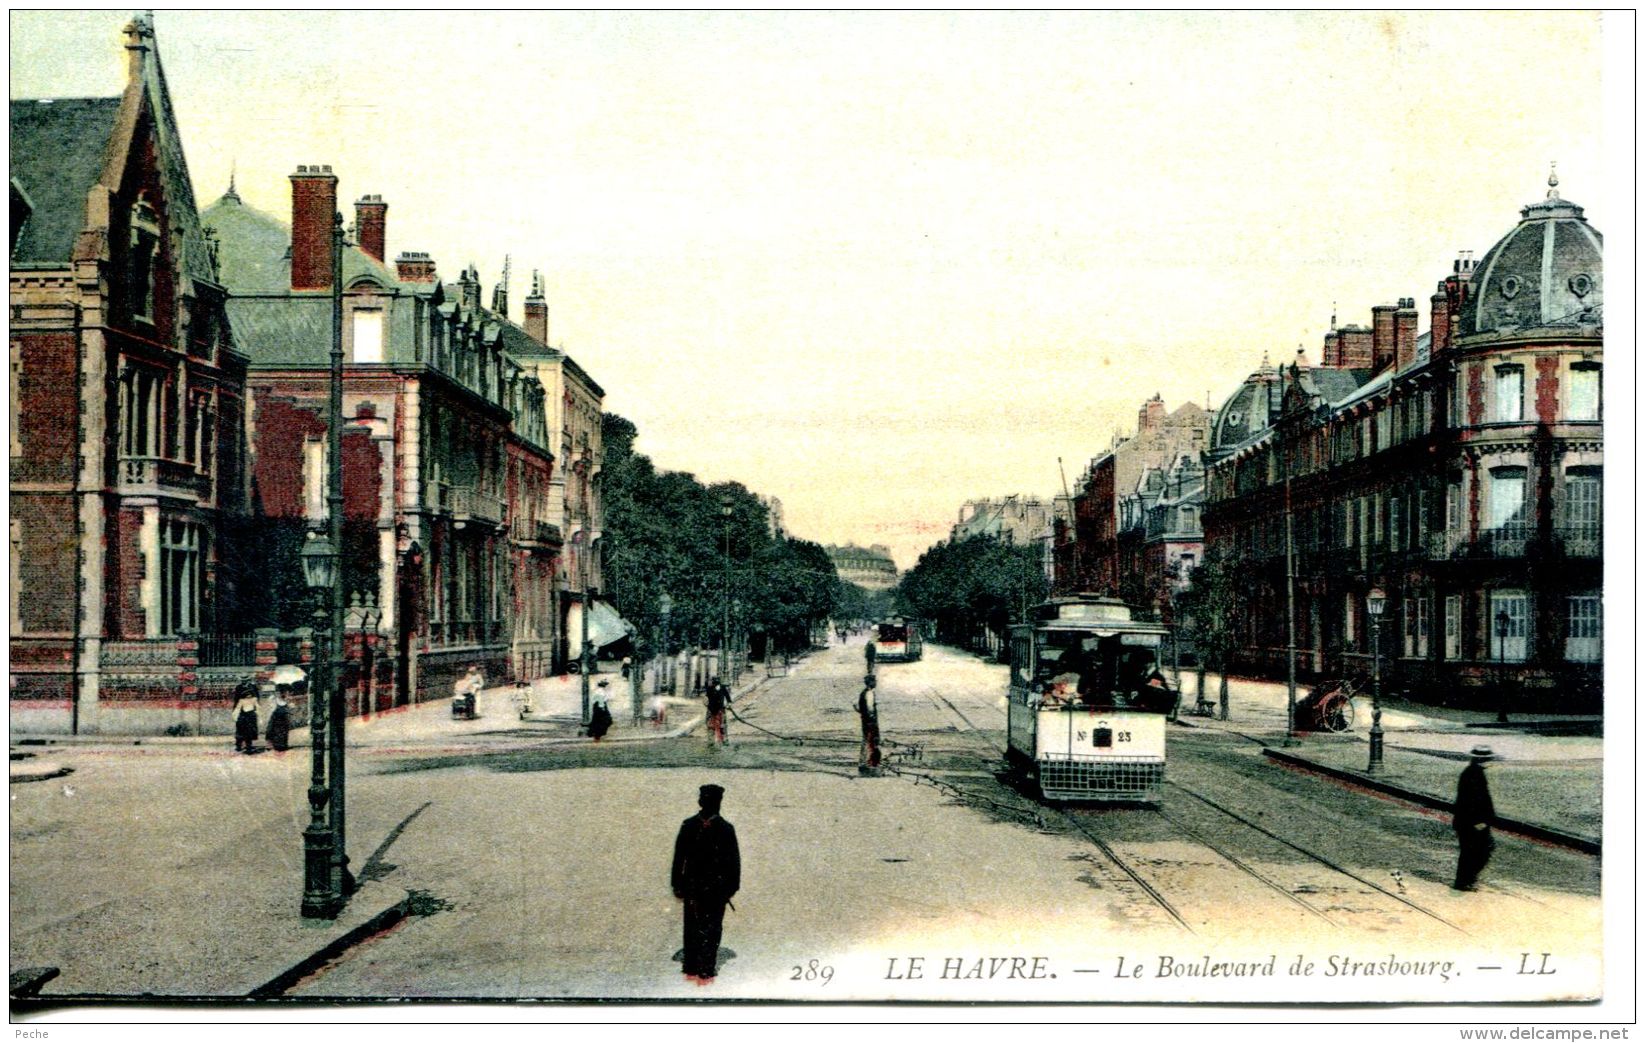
column 605, row 626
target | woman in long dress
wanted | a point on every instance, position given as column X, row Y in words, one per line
column 599, row 716
column 279, row 722
column 245, row 717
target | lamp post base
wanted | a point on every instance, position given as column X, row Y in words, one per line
column 1375, row 763
column 320, row 898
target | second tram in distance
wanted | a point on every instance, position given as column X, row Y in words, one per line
column 1088, row 704
column 898, row 641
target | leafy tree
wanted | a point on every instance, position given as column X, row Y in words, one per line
column 667, row 532
column 973, row 589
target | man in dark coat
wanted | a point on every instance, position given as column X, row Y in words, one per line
column 868, row 760
column 707, row 872
column 718, row 696
column 1472, row 819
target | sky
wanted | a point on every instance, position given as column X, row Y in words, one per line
column 877, row 264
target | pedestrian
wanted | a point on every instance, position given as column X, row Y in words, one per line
column 245, row 717
column 868, row 757
column 718, row 696
column 1471, row 818
column 628, row 664
column 279, row 722
column 599, row 715
column 707, row 873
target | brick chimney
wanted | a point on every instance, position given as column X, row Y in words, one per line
column 1354, row 347
column 414, row 267
column 1405, row 333
column 1332, row 355
column 1439, row 322
column 313, row 210
column 371, row 225
column 1382, row 335
column 1151, row 413
column 536, row 311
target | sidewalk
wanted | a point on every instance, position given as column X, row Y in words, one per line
column 1544, row 785
column 555, row 713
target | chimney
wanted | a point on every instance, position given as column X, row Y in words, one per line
column 414, row 267
column 1151, row 413
column 1439, row 322
column 371, row 226
column 1331, row 357
column 1382, row 335
column 536, row 311
column 313, row 211
column 1405, row 333
column 468, row 289
column 1354, row 347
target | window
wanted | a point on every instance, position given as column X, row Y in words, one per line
column 1584, row 628
column 1349, row 638
column 1396, row 524
column 368, row 335
column 314, row 479
column 145, row 240
column 1510, row 626
column 180, row 577
column 1453, row 627
column 1416, row 628
column 1510, row 394
column 1458, row 397
column 1453, row 505
column 1582, row 507
column 1507, row 498
column 1584, row 392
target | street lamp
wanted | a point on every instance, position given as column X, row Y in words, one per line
column 665, row 608
column 320, row 898
column 725, row 597
column 1504, row 622
column 737, row 618
column 585, row 655
column 1375, row 601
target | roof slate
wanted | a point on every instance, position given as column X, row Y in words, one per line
column 58, row 149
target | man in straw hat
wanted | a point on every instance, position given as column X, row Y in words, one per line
column 707, row 872
column 1472, row 818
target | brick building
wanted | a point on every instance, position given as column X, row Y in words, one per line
column 127, row 398
column 449, row 547
column 1462, row 475
column 1090, row 554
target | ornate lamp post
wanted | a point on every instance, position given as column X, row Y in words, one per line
column 1375, row 601
column 725, row 595
column 585, row 654
column 320, row 897
column 1504, row 623
column 737, row 632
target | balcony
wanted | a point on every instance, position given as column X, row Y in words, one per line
column 154, row 476
column 538, row 534
column 472, row 505
column 1580, row 541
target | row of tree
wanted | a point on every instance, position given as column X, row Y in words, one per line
column 974, row 589
column 711, row 549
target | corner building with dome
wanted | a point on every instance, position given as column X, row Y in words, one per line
column 1461, row 472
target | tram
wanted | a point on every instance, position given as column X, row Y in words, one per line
column 899, row 641
column 1088, row 703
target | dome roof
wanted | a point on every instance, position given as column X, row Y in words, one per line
column 1548, row 271
column 1248, row 411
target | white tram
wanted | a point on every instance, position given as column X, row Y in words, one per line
column 1088, row 702
column 898, row 641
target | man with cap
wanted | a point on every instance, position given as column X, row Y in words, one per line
column 1472, row 818
column 707, row 873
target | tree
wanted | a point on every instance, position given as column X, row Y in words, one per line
column 973, row 589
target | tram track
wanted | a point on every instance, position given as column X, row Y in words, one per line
column 1137, row 874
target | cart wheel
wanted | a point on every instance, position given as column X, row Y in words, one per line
column 1340, row 716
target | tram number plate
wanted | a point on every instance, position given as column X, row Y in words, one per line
column 1102, row 738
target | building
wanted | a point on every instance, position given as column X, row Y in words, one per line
column 576, row 508
column 127, row 399
column 449, row 547
column 870, row 568
column 1462, row 477
column 1010, row 519
column 1089, row 553
column 774, row 516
